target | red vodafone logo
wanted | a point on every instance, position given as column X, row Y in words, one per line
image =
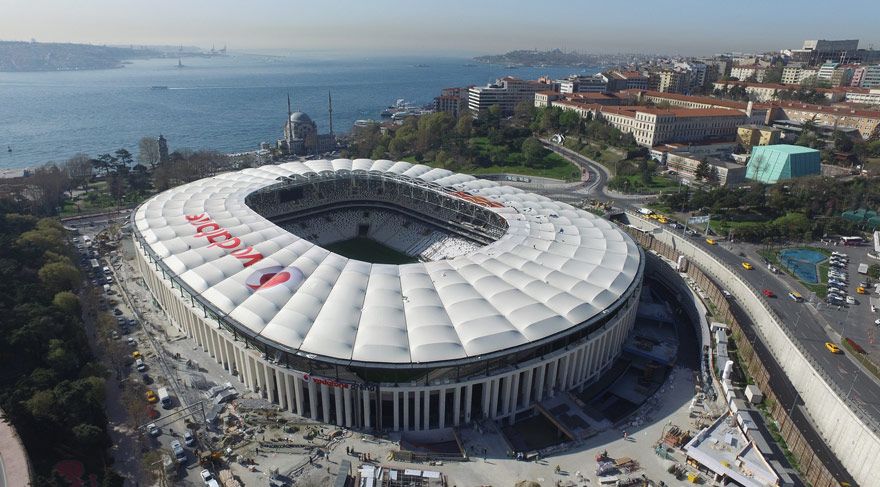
column 269, row 277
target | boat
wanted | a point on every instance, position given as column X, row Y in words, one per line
column 158, row 87
column 8, row 148
column 423, row 65
column 179, row 63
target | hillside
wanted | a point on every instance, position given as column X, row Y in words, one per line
column 38, row 56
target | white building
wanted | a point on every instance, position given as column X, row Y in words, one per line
column 743, row 73
column 872, row 97
column 506, row 92
column 794, row 75
column 597, row 83
column 421, row 346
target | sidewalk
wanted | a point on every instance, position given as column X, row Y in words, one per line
column 15, row 468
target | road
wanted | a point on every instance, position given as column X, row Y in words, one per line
column 810, row 327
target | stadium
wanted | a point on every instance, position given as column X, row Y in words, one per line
column 387, row 295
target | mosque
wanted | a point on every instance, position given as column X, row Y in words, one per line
column 301, row 135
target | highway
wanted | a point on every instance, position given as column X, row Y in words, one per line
column 802, row 319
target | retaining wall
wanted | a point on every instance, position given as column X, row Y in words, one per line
column 851, row 434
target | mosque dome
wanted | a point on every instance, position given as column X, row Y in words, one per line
column 300, row 117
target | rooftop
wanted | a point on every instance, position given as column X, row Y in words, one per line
column 724, row 448
column 786, row 149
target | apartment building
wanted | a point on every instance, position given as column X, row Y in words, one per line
column 867, row 122
column 626, row 80
column 506, row 92
column 871, row 77
column 864, row 96
column 816, row 52
column 597, row 83
column 744, row 72
column 797, row 74
column 651, row 126
column 671, row 81
column 751, row 135
column 453, row 101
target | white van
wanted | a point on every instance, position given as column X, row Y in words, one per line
column 164, row 397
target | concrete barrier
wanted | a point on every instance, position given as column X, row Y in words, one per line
column 850, row 432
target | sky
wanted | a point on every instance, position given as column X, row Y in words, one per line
column 451, row 27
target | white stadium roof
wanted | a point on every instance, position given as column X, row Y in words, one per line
column 554, row 268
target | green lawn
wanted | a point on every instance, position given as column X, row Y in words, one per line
column 369, row 251
column 554, row 165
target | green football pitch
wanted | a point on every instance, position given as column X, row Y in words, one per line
column 369, row 251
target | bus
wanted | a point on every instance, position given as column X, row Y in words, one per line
column 164, row 397
column 852, row 241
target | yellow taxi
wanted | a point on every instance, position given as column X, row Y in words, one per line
column 747, row 266
column 832, row 347
column 860, row 290
column 662, row 220
column 152, row 397
column 711, row 241
column 135, row 355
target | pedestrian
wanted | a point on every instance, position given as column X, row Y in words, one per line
column 624, row 435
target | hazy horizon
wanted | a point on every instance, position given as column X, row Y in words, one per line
column 457, row 28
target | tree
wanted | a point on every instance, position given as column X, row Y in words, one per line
column 123, row 157
column 67, row 302
column 874, row 271
column 842, row 142
column 645, row 172
column 703, row 170
column 104, row 163
column 533, row 152
column 57, row 277
column 148, row 152
column 713, row 175
column 79, row 170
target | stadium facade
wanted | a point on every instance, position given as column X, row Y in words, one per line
column 514, row 297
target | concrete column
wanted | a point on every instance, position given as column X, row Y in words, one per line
column 405, row 410
column 282, row 391
column 505, row 394
column 468, row 399
column 572, row 367
column 337, row 396
column 514, row 395
column 563, row 373
column 426, row 424
column 456, row 405
column 298, row 393
column 527, row 387
column 441, row 408
column 417, row 410
column 487, row 401
column 551, row 378
column 255, row 377
column 288, row 379
column 313, row 401
column 325, row 403
column 367, row 415
column 270, row 385
column 539, row 382
column 493, row 399
column 396, row 410
column 347, row 396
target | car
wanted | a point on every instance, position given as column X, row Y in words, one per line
column 773, row 269
column 114, row 334
column 208, row 479
column 877, row 322
column 711, row 241
column 832, row 347
column 850, row 300
column 747, row 266
column 768, row 293
column 189, row 439
column 140, row 365
column 117, row 311
column 860, row 290
column 727, row 294
column 136, row 355
column 132, row 342
column 177, row 449
column 152, row 398
column 153, row 430
column 146, row 378
column 795, row 296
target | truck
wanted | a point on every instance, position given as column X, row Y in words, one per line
column 164, row 397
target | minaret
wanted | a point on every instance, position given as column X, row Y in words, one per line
column 289, row 127
column 330, row 109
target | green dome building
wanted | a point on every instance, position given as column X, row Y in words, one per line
column 773, row 163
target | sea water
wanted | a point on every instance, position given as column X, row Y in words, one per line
column 231, row 104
